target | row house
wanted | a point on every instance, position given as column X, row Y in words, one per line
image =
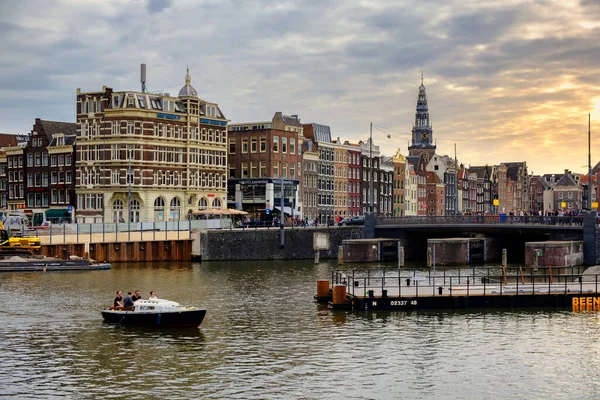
column 354, row 177
column 445, row 169
column 6, row 140
column 512, row 186
column 321, row 137
column 386, row 186
column 341, row 182
column 400, row 177
column 484, row 189
column 370, row 170
column 310, row 180
column 40, row 171
column 265, row 166
column 435, row 195
column 567, row 194
column 419, row 164
column 149, row 157
column 410, row 190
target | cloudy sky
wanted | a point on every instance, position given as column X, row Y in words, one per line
column 507, row 80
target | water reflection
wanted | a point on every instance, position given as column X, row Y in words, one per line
column 265, row 337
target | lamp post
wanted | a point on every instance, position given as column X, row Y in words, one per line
column 371, row 168
column 281, row 230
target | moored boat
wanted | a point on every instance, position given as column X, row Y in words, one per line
column 155, row 313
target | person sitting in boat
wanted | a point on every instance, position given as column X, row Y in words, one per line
column 118, row 300
column 136, row 296
column 128, row 301
column 153, row 295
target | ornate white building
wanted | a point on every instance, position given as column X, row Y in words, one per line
column 145, row 157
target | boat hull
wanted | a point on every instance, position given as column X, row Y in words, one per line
column 187, row 318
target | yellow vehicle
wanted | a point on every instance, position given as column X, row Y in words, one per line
column 14, row 243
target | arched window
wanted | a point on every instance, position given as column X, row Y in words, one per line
column 118, row 211
column 203, row 204
column 135, row 211
column 216, row 203
column 159, row 209
column 175, row 209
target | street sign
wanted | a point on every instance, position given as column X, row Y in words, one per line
column 538, row 252
column 594, row 204
column 563, row 204
column 496, row 202
column 267, row 211
column 70, row 208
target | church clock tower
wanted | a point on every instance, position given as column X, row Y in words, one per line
column 422, row 133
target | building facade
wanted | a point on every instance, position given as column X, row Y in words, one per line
column 321, row 137
column 400, row 175
column 261, row 156
column 149, row 157
column 310, row 181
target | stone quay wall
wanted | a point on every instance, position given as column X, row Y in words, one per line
column 263, row 244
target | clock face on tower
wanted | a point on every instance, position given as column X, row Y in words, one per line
column 425, row 135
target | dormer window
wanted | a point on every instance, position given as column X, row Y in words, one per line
column 60, row 141
column 142, row 101
column 130, row 101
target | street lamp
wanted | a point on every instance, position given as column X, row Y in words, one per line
column 371, row 168
column 281, row 230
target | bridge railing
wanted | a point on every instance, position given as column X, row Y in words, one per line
column 482, row 219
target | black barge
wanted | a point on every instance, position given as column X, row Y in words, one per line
column 564, row 288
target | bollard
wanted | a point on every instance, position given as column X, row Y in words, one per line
column 339, row 294
column 400, row 255
column 504, row 263
column 429, row 257
column 323, row 288
column 340, row 255
column 317, row 252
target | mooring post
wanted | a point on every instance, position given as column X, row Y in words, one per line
column 429, row 258
column 340, row 255
column 317, row 256
column 400, row 255
column 504, row 257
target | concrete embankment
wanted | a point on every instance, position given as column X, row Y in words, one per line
column 263, row 244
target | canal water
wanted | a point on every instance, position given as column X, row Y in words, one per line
column 265, row 338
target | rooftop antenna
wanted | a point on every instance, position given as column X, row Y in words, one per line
column 143, row 77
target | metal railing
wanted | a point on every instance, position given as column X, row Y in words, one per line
column 483, row 219
column 466, row 282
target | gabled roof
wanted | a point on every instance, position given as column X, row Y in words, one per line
column 432, row 177
column 8, row 140
column 566, row 180
column 481, row 171
column 52, row 127
column 415, row 161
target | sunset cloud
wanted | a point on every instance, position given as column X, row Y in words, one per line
column 506, row 80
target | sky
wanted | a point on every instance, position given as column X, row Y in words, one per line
column 506, row 80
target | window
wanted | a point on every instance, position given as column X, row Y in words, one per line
column 231, row 146
column 244, row 170
column 244, row 145
column 292, row 146
column 263, row 169
column 284, row 144
column 263, row 144
column 253, row 145
column 276, row 144
column 253, row 170
column 115, row 128
column 45, row 159
column 130, row 127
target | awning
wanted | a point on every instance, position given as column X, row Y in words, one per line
column 288, row 211
column 58, row 213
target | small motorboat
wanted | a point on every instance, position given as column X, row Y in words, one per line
column 155, row 313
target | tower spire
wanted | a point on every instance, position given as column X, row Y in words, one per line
column 188, row 78
column 421, row 77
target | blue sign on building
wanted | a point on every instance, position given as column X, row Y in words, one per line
column 168, row 116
